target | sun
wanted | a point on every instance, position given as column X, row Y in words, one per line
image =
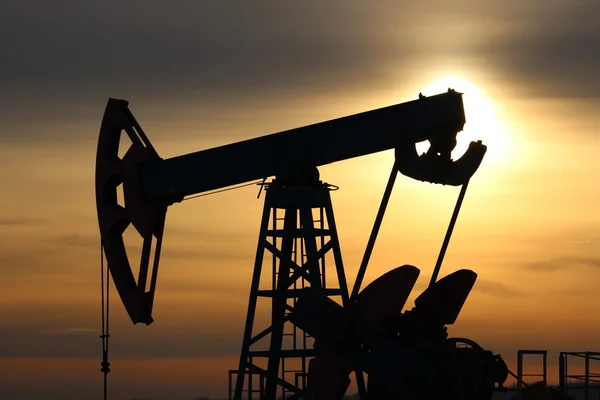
column 483, row 120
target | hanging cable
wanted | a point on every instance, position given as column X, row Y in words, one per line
column 438, row 264
column 105, row 286
column 224, row 190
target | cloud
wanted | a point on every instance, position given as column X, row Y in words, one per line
column 62, row 69
column 210, row 254
column 17, row 221
column 32, row 341
column 494, row 288
column 221, row 290
column 561, row 263
column 557, row 55
column 78, row 240
column 215, row 234
column 214, row 55
column 127, row 342
column 236, row 45
column 26, row 261
column 67, row 331
column 579, row 241
column 219, row 248
column 223, row 45
column 482, row 285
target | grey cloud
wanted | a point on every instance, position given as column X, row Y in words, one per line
column 482, row 285
column 494, row 288
column 17, row 221
column 70, row 329
column 220, row 248
column 220, row 45
column 558, row 55
column 16, row 261
column 87, row 241
column 185, row 344
column 561, row 263
column 171, row 231
column 193, row 287
column 134, row 342
column 208, row 235
column 51, row 315
column 579, row 241
column 212, row 254
column 67, row 331
column 210, row 54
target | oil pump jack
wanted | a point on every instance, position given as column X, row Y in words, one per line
column 406, row 355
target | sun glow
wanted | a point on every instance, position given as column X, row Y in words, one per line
column 484, row 121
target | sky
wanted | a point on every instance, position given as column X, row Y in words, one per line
column 207, row 73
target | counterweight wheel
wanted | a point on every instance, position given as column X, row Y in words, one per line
column 147, row 218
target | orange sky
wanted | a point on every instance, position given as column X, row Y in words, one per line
column 528, row 226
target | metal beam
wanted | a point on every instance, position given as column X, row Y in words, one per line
column 435, row 117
